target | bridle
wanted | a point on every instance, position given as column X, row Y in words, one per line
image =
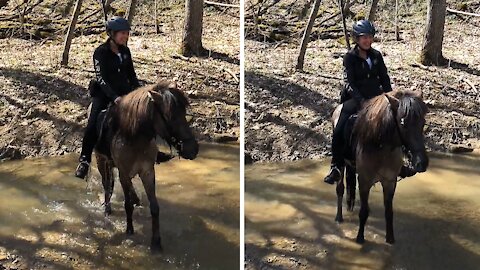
column 397, row 125
column 170, row 138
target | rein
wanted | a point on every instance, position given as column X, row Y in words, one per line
column 171, row 140
column 402, row 123
column 405, row 150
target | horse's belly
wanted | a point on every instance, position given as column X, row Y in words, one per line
column 133, row 158
column 383, row 164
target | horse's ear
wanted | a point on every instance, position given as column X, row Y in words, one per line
column 172, row 85
column 394, row 102
column 154, row 96
column 419, row 93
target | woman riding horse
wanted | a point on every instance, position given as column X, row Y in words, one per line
column 365, row 77
column 115, row 77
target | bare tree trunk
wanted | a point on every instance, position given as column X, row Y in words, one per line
column 70, row 32
column 67, row 8
column 157, row 29
column 345, row 31
column 3, row 3
column 306, row 35
column 373, row 10
column 431, row 53
column 108, row 5
column 305, row 9
column 105, row 8
column 192, row 34
column 397, row 30
column 346, row 8
column 131, row 11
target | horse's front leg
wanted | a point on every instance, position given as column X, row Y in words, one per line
column 340, row 191
column 388, row 193
column 148, row 179
column 351, row 179
column 364, row 208
column 126, row 182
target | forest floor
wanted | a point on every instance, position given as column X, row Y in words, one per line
column 43, row 106
column 287, row 113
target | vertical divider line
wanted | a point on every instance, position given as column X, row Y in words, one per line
column 242, row 133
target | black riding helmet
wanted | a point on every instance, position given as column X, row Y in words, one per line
column 363, row 27
column 116, row 24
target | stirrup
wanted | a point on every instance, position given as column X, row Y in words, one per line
column 82, row 169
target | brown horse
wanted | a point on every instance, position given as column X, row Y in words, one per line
column 128, row 143
column 384, row 125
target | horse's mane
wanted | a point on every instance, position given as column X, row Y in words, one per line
column 135, row 112
column 376, row 123
column 411, row 106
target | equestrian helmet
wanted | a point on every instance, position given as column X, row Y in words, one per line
column 363, row 27
column 117, row 23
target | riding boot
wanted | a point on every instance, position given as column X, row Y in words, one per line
column 90, row 137
column 82, row 168
column 407, row 171
column 163, row 157
column 333, row 176
column 337, row 164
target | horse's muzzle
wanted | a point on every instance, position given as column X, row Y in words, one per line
column 189, row 149
column 421, row 163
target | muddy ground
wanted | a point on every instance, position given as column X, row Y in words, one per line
column 290, row 212
column 287, row 113
column 43, row 105
column 52, row 220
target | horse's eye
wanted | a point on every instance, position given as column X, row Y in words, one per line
column 189, row 118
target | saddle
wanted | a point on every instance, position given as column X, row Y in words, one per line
column 349, row 139
column 103, row 132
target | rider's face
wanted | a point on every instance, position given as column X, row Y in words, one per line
column 121, row 37
column 365, row 41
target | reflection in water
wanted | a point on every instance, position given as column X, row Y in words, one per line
column 290, row 219
column 53, row 220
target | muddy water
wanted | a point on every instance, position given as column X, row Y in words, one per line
column 290, row 219
column 51, row 220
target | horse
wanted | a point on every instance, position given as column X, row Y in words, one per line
column 127, row 141
column 385, row 124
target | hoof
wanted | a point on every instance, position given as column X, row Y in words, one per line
column 339, row 219
column 130, row 231
column 108, row 210
column 360, row 239
column 390, row 240
column 350, row 206
column 135, row 200
column 156, row 246
column 330, row 182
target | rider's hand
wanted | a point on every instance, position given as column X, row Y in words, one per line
column 117, row 100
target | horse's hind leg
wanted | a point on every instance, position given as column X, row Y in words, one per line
column 388, row 193
column 127, row 186
column 364, row 210
column 340, row 191
column 105, row 169
column 148, row 179
column 351, row 179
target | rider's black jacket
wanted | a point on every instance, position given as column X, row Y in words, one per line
column 115, row 77
column 361, row 81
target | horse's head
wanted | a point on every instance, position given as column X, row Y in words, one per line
column 410, row 111
column 171, row 119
